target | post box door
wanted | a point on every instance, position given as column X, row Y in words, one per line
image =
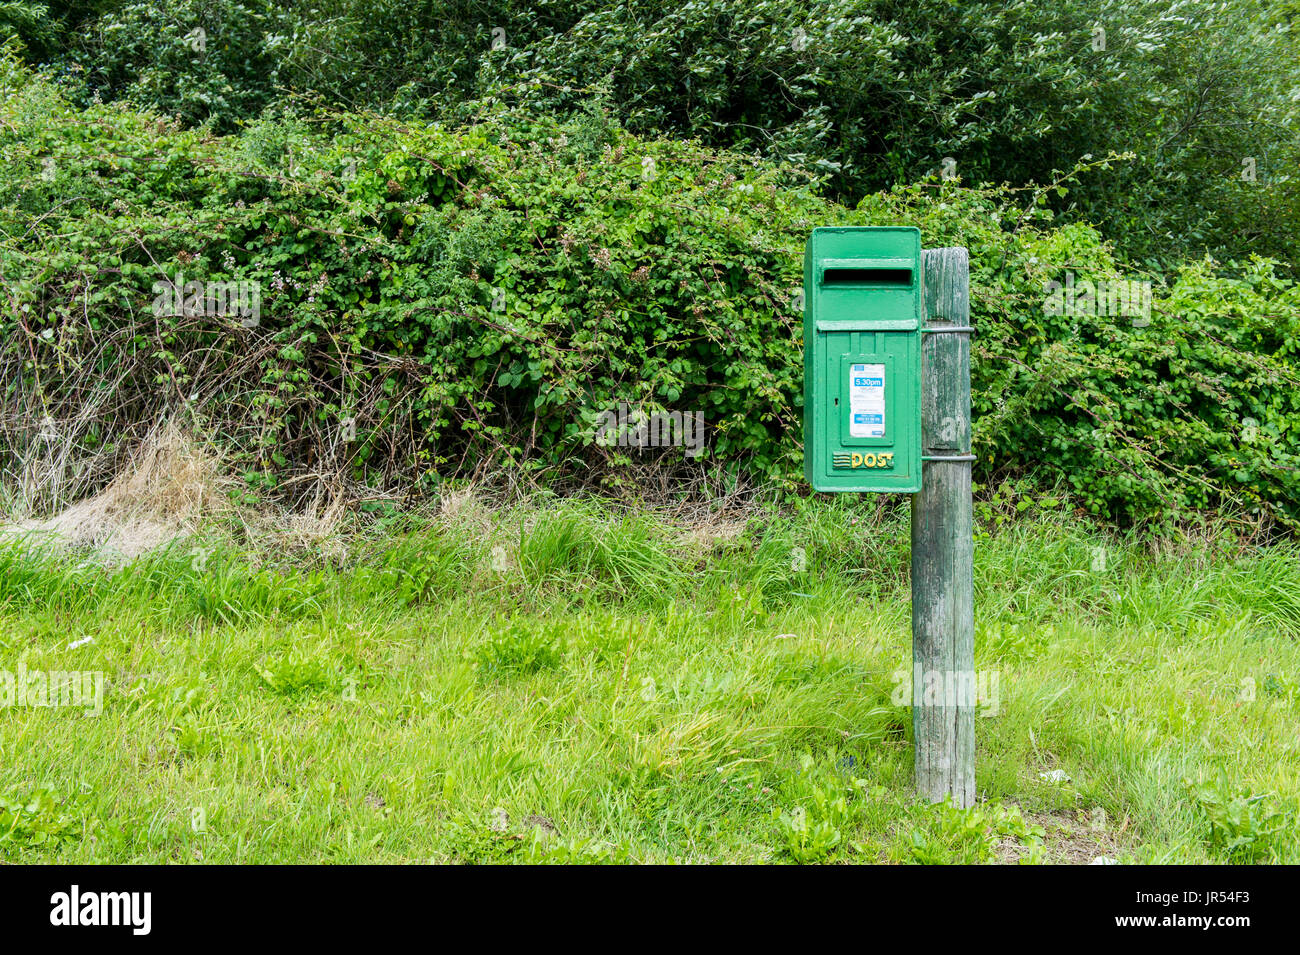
column 863, row 357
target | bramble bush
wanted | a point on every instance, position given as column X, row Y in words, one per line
column 441, row 301
column 1191, row 407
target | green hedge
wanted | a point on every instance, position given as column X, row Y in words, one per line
column 472, row 299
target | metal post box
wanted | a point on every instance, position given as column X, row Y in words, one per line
column 862, row 359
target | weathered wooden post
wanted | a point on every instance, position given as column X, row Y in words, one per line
column 943, row 618
column 887, row 410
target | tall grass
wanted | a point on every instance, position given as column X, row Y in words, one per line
column 628, row 689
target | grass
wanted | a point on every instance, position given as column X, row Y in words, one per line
column 564, row 683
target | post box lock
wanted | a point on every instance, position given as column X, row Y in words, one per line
column 862, row 359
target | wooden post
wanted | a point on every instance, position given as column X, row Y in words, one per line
column 943, row 618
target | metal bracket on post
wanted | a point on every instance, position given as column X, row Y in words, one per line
column 943, row 625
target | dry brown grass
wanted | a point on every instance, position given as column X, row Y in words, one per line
column 1070, row 838
column 172, row 483
column 175, row 483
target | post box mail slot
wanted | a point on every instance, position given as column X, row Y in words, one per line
column 862, row 359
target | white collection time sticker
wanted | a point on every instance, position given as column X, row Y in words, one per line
column 866, row 401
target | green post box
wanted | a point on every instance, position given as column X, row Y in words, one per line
column 862, row 359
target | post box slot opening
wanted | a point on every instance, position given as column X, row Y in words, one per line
column 873, row 278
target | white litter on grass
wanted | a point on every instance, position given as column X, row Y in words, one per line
column 1104, row 860
column 1055, row 776
column 500, row 821
column 80, row 643
column 786, row 636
